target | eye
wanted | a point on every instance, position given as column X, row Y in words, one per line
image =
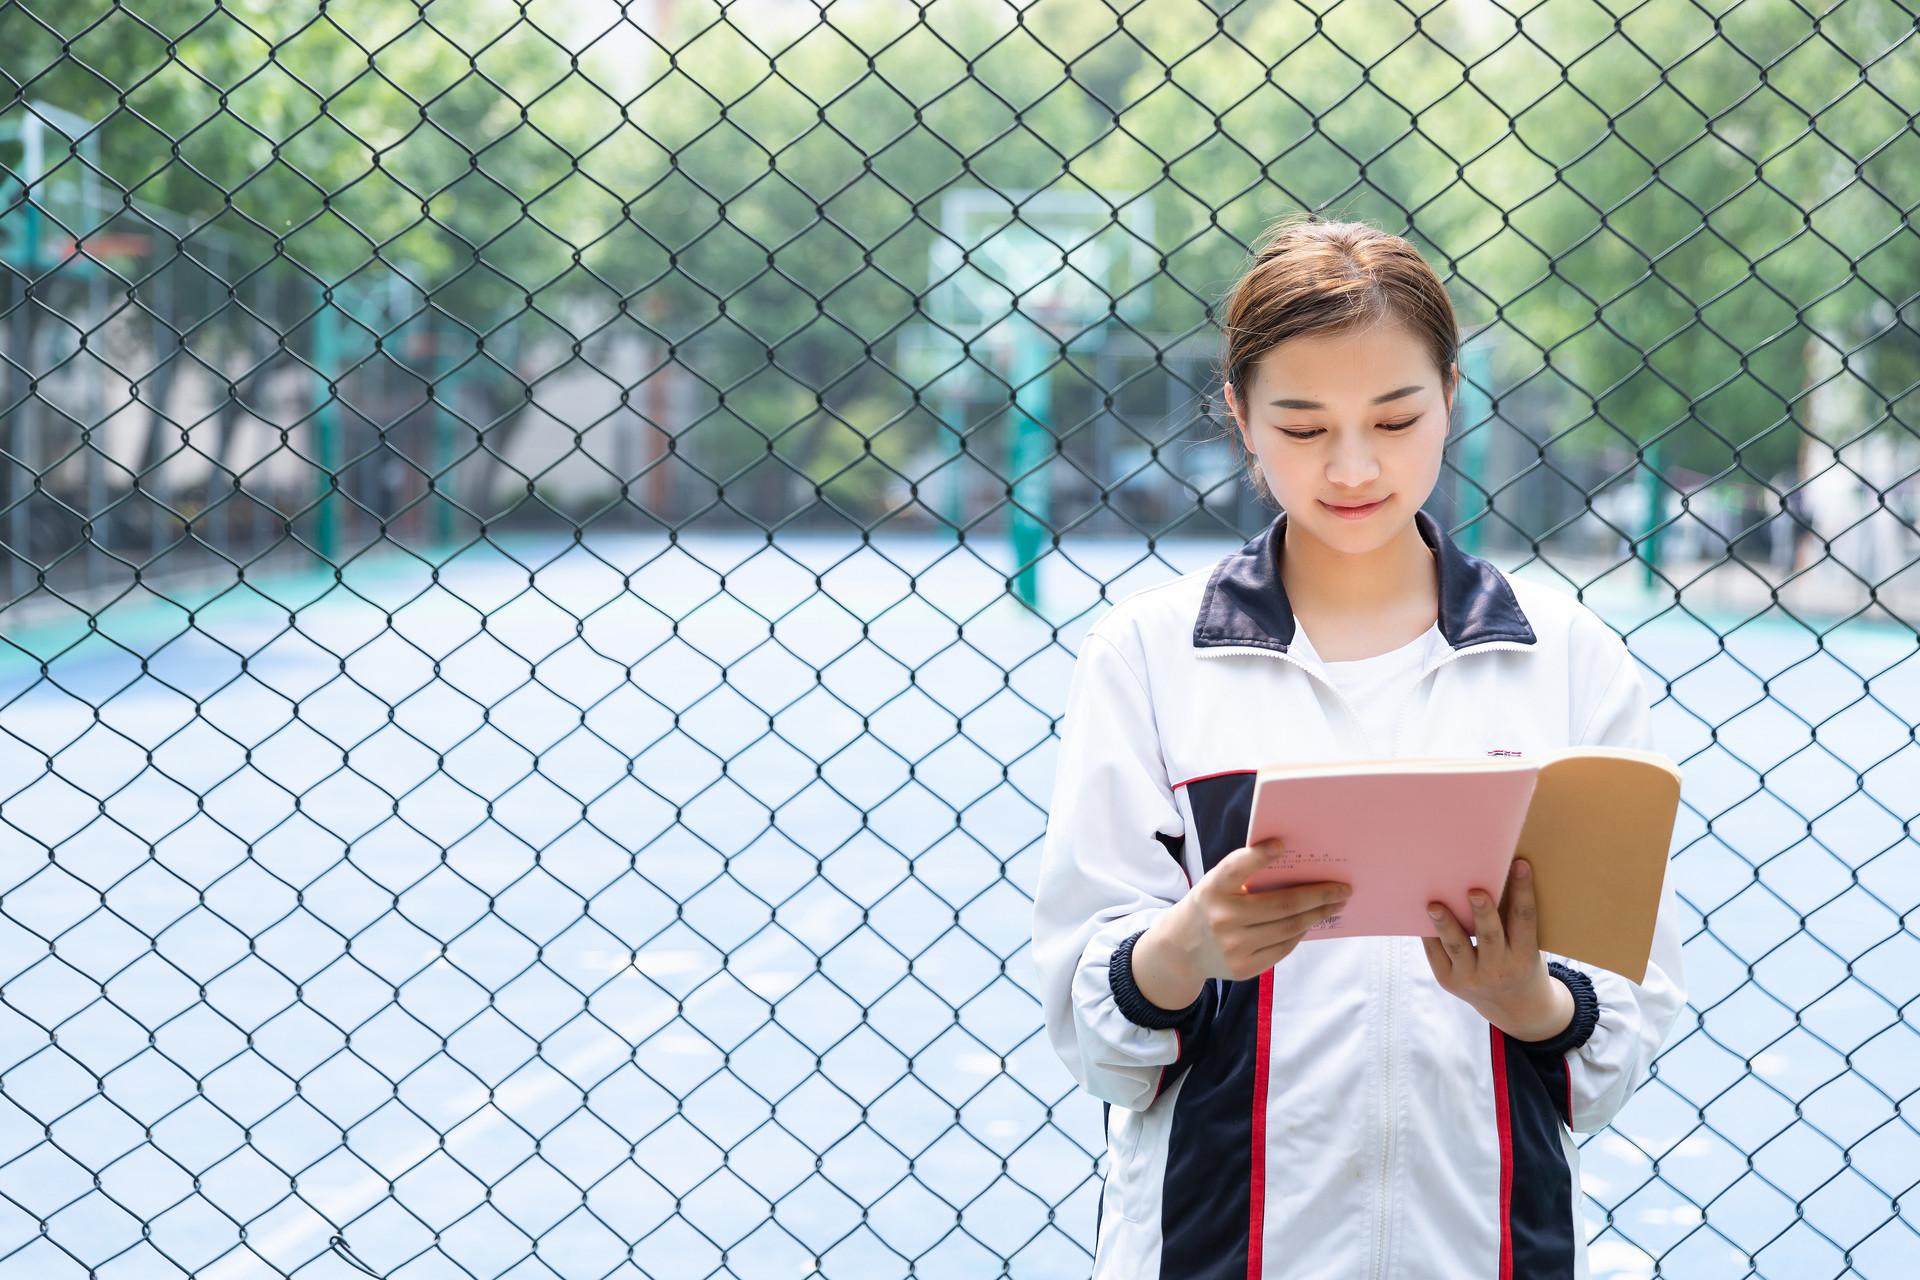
column 1384, row 426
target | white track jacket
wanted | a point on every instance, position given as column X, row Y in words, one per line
column 1341, row 1115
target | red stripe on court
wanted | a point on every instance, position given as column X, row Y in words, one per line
column 1506, row 1152
column 1257, row 1184
column 1224, row 773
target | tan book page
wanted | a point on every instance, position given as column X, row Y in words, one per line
column 1598, row 833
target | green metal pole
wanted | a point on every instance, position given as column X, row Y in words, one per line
column 33, row 148
column 1474, row 407
column 326, row 423
column 442, row 435
column 1650, row 481
column 20, row 435
column 1028, row 446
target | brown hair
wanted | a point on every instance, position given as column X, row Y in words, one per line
column 1310, row 276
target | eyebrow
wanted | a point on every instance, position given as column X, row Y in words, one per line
column 1315, row 404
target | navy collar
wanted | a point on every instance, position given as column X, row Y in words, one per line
column 1246, row 604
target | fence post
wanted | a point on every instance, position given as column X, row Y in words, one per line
column 326, row 422
column 1650, row 479
column 1028, row 444
column 441, row 429
column 21, row 420
column 1475, row 407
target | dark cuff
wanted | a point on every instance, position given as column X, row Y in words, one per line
column 1586, row 1013
column 1136, row 1007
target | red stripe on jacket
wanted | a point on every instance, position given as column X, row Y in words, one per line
column 1257, row 1188
column 1506, row 1152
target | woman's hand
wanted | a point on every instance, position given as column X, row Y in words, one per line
column 1504, row 977
column 1220, row 930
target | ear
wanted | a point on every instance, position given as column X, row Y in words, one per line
column 1234, row 411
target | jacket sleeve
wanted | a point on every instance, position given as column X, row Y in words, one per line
column 1104, row 877
column 1618, row 1026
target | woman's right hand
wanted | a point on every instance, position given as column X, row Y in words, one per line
column 1220, row 930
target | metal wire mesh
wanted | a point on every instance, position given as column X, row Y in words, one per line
column 544, row 541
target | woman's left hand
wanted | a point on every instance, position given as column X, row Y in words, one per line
column 1504, row 976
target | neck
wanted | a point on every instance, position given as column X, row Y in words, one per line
column 1320, row 579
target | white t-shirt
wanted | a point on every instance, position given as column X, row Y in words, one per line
column 1376, row 686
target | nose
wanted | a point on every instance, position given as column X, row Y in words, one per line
column 1352, row 465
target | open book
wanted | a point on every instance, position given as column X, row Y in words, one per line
column 1595, row 823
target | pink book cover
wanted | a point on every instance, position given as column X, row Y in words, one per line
column 1401, row 839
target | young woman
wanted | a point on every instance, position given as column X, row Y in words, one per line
column 1353, row 1107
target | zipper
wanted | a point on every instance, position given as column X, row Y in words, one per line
column 1392, row 952
column 1386, row 1076
column 1386, row 1122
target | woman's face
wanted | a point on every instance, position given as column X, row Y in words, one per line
column 1346, row 419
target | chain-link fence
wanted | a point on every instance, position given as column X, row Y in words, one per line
column 544, row 542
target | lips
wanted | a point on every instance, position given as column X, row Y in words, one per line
column 1355, row 513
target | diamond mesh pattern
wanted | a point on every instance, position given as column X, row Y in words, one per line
column 543, row 545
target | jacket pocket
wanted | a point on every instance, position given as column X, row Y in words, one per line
column 1136, row 1147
